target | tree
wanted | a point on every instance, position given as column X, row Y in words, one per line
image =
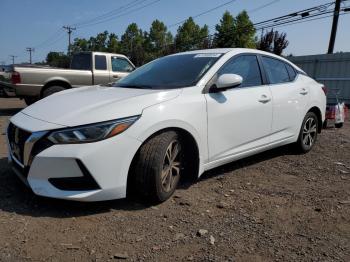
column 191, row 36
column 58, row 59
column 113, row 45
column 79, row 45
column 244, row 31
column 158, row 40
column 132, row 42
column 236, row 31
column 273, row 42
column 225, row 31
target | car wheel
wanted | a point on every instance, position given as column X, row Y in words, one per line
column 338, row 125
column 158, row 167
column 30, row 100
column 52, row 89
column 308, row 133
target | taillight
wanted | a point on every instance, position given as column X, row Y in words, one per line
column 325, row 90
column 15, row 78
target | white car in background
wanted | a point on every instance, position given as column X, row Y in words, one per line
column 177, row 116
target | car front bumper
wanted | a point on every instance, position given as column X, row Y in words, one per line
column 101, row 167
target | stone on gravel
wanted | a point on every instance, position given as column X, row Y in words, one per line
column 120, row 256
column 202, row 232
column 212, row 240
column 179, row 236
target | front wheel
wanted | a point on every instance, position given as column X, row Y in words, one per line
column 52, row 89
column 158, row 167
column 308, row 133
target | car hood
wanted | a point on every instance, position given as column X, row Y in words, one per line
column 86, row 105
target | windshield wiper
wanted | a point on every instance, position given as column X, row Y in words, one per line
column 136, row 86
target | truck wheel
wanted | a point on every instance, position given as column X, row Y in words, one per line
column 30, row 100
column 52, row 89
column 338, row 125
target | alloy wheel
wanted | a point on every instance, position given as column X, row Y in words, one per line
column 171, row 166
column 309, row 132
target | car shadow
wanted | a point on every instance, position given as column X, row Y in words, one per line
column 15, row 197
column 9, row 111
column 245, row 162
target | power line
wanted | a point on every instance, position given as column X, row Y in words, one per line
column 255, row 9
column 263, row 6
column 120, row 15
column 203, row 13
column 309, row 20
column 110, row 13
column 305, row 18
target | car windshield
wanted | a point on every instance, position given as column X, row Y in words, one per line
column 169, row 72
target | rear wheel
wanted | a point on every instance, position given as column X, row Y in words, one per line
column 308, row 133
column 158, row 167
column 52, row 89
column 338, row 125
column 30, row 100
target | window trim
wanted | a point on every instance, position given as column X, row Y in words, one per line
column 264, row 81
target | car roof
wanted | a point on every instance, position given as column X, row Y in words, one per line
column 238, row 51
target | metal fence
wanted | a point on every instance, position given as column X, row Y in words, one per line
column 331, row 69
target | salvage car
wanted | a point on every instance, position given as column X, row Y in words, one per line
column 172, row 118
column 34, row 82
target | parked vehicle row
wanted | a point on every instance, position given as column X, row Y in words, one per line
column 87, row 68
column 176, row 116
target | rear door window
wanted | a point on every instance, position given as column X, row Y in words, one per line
column 100, row 62
column 291, row 72
column 276, row 70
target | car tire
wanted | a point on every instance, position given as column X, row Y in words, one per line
column 338, row 125
column 308, row 133
column 29, row 100
column 52, row 89
column 158, row 166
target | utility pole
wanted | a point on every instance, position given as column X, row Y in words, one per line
column 69, row 31
column 334, row 26
column 30, row 50
column 13, row 59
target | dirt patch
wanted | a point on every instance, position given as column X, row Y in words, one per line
column 274, row 206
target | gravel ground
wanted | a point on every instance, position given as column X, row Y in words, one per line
column 276, row 206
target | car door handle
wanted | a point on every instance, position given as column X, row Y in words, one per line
column 116, row 76
column 264, row 99
column 303, row 91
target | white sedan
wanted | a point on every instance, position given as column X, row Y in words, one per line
column 177, row 116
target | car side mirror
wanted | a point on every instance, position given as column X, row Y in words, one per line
column 228, row 81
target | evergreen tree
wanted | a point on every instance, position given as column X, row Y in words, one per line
column 132, row 44
column 159, row 40
column 236, row 31
column 191, row 36
column 244, row 31
column 225, row 31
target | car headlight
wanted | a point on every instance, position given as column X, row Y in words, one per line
column 91, row 133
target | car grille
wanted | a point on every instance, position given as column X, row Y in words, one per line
column 17, row 138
